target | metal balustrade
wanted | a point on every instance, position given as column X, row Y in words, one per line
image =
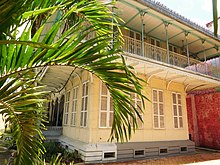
column 134, row 46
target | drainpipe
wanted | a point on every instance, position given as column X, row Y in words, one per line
column 142, row 32
column 187, row 48
column 167, row 42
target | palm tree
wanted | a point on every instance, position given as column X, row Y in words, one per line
column 21, row 100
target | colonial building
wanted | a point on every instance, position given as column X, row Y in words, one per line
column 170, row 53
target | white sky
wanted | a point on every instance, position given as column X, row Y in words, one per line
column 198, row 11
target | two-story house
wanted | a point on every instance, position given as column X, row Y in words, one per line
column 169, row 52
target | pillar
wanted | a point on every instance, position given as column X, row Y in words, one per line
column 166, row 24
column 142, row 33
column 187, row 48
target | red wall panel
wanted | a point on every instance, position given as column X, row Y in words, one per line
column 208, row 119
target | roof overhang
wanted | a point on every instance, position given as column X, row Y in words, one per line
column 190, row 79
column 201, row 41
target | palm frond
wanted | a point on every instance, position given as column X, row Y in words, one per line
column 21, row 104
column 53, row 44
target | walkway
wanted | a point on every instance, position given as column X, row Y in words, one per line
column 201, row 156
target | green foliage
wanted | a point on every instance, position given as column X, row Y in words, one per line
column 54, row 150
column 8, row 141
column 21, row 95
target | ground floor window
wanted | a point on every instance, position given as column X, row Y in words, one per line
column 84, row 108
column 106, row 108
column 66, row 109
column 74, row 106
column 177, row 110
column 158, row 109
column 137, row 103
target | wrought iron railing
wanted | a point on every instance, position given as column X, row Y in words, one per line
column 134, row 46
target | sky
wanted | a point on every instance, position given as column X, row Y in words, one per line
column 198, row 11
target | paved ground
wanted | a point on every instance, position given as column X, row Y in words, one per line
column 203, row 157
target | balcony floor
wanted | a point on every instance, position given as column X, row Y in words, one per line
column 151, row 68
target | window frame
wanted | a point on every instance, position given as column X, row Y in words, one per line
column 158, row 109
column 66, row 111
column 177, row 106
column 136, row 99
column 155, row 42
column 173, row 48
column 108, row 108
column 84, row 112
column 75, row 92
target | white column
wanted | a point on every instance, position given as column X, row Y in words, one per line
column 142, row 32
column 167, row 42
column 187, row 48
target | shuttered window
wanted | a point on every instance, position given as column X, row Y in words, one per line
column 137, row 103
column 66, row 110
column 74, row 107
column 177, row 110
column 158, row 109
column 84, row 108
column 106, row 108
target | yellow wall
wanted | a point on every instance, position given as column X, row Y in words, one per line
column 92, row 133
column 148, row 133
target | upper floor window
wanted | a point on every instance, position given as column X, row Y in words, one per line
column 106, row 108
column 134, row 43
column 177, row 110
column 158, row 109
column 84, row 108
column 155, row 42
column 74, row 106
column 135, row 35
column 66, row 108
column 173, row 48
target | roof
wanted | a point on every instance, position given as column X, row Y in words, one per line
column 165, row 10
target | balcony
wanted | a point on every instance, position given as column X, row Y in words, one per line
column 134, row 46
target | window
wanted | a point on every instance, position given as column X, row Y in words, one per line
column 66, row 110
column 74, row 107
column 173, row 48
column 177, row 110
column 155, row 52
column 158, row 109
column 134, row 44
column 155, row 42
column 106, row 108
column 84, row 109
column 137, row 103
